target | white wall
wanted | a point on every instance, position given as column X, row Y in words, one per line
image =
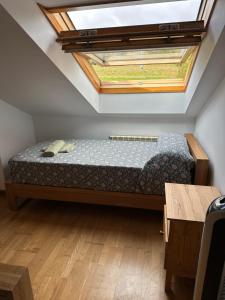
column 16, row 133
column 210, row 130
column 47, row 127
column 146, row 103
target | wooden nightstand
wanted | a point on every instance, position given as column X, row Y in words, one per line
column 184, row 216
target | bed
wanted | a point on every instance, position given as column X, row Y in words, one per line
column 125, row 173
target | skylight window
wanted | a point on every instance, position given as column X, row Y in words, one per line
column 153, row 69
column 133, row 48
column 154, row 13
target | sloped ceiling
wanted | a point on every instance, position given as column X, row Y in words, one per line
column 212, row 65
column 40, row 79
column 29, row 80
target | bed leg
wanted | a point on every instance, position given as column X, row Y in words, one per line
column 168, row 281
column 11, row 198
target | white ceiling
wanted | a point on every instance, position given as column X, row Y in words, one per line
column 213, row 75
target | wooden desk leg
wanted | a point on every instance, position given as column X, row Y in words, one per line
column 15, row 283
column 168, row 281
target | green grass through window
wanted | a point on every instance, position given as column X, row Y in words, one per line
column 142, row 72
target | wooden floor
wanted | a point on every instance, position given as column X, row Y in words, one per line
column 78, row 252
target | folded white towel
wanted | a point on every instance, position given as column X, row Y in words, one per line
column 53, row 148
column 57, row 146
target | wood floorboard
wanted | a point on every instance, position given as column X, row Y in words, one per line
column 87, row 252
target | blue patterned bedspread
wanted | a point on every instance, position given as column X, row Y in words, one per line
column 119, row 166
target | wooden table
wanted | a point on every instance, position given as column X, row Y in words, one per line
column 184, row 217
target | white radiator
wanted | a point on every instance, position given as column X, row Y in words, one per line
column 140, row 138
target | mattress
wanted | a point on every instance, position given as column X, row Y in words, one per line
column 106, row 165
column 94, row 164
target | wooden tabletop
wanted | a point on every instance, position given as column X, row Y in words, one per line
column 189, row 202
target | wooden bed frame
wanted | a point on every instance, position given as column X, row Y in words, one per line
column 18, row 193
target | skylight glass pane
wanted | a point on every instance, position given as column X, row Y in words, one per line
column 152, row 56
column 153, row 13
column 144, row 73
